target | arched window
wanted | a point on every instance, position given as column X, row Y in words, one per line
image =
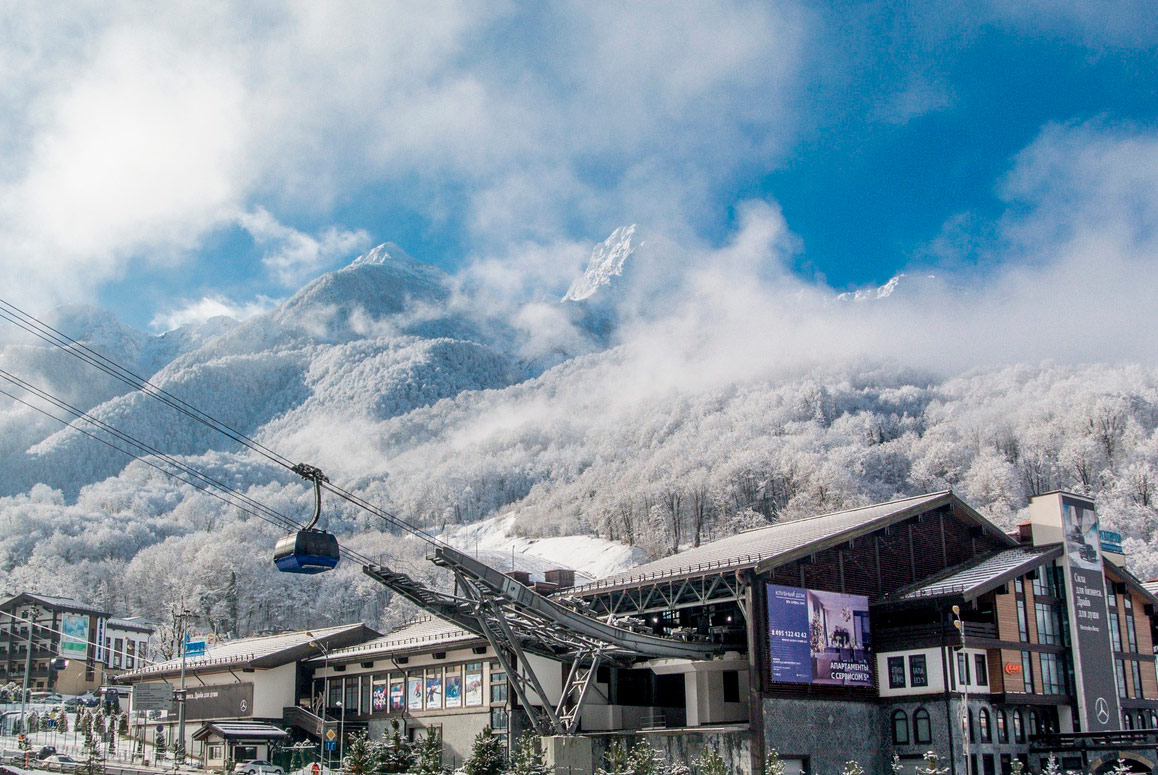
column 1018, row 731
column 1129, row 720
column 972, row 728
column 900, row 728
column 983, row 725
column 1154, row 719
column 922, row 729
column 1141, row 719
column 1032, row 723
column 1002, row 729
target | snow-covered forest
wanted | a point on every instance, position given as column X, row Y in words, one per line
column 388, row 376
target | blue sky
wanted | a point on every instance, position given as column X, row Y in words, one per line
column 171, row 163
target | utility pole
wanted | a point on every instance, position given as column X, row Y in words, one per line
column 179, row 753
column 33, row 613
column 963, row 678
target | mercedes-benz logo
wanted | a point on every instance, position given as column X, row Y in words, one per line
column 1102, row 710
column 245, row 705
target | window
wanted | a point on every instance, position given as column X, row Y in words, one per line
column 499, row 719
column 1115, row 623
column 1022, row 625
column 1047, row 626
column 918, row 671
column 972, row 727
column 350, row 701
column 1018, row 729
column 983, row 726
column 731, row 685
column 1136, row 669
column 1027, row 671
column 1039, row 584
column 1052, row 676
column 963, row 668
column 922, row 728
column 900, row 728
column 1141, row 719
column 1032, row 723
column 366, row 698
column 896, row 672
column 1127, row 721
column 989, row 764
column 118, row 650
column 981, row 670
column 130, row 649
column 335, row 693
column 1002, row 728
column 1120, row 674
column 498, row 687
column 1131, row 632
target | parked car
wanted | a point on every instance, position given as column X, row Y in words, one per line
column 61, row 758
column 46, row 751
column 257, row 767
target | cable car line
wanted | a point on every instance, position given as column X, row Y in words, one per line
column 248, row 505
column 47, row 333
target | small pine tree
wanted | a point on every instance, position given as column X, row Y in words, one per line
column 526, row 759
column 1121, row 768
column 93, row 765
column 33, row 721
column 123, row 725
column 159, row 748
column 1016, row 767
column 852, row 768
column 645, row 760
column 395, row 754
column 486, row 755
column 774, row 765
column 1052, row 766
column 360, row 757
column 711, row 763
column 429, row 759
column 98, row 725
column 83, row 721
column 62, row 723
column 932, row 765
column 615, row 759
column 895, row 765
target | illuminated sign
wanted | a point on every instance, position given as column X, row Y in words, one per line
column 1012, row 669
column 817, row 637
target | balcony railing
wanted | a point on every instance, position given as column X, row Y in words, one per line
column 1137, row 738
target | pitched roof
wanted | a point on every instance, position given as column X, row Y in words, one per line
column 785, row 541
column 49, row 601
column 135, row 623
column 414, row 635
column 240, row 729
column 259, row 652
column 980, row 574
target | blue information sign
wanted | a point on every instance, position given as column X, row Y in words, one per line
column 331, row 745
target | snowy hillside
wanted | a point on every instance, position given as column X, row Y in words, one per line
column 410, row 392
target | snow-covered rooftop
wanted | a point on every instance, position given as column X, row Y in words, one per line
column 751, row 547
column 417, row 633
column 262, row 651
column 977, row 577
column 50, row 601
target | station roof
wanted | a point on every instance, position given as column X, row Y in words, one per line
column 232, row 730
column 782, row 542
column 52, row 602
column 980, row 575
column 416, row 635
column 260, row 652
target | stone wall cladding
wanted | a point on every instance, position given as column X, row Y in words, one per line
column 826, row 732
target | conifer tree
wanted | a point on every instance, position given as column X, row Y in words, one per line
column 932, row 765
column 33, row 721
column 92, row 765
column 615, row 760
column 62, row 723
column 774, row 765
column 709, row 762
column 646, row 760
column 123, row 725
column 486, row 755
column 395, row 754
column 360, row 756
column 852, row 768
column 526, row 759
column 429, row 759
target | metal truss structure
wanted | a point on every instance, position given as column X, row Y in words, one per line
column 517, row 621
column 665, row 595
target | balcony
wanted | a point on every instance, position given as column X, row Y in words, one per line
column 1087, row 741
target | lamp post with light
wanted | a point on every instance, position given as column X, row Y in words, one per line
column 963, row 679
column 326, row 696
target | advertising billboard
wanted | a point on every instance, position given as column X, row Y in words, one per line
column 1094, row 657
column 817, row 637
column 224, row 701
column 74, row 635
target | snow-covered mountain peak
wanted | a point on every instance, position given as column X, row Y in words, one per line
column 387, row 252
column 896, row 283
column 607, row 261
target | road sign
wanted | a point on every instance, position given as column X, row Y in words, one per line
column 331, row 746
column 155, row 695
column 194, row 648
column 331, row 734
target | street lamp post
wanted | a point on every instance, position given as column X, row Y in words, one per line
column 325, row 695
column 341, row 733
column 963, row 679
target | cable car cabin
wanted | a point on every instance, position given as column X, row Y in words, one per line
column 306, row 551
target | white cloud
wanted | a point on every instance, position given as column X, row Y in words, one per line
column 193, row 311
column 292, row 255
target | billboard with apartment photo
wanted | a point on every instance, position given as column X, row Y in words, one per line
column 818, row 637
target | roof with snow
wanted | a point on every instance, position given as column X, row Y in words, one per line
column 55, row 603
column 134, row 623
column 261, row 652
column 786, row 541
column 415, row 635
column 978, row 576
column 232, row 730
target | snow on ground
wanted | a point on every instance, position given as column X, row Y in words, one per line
column 592, row 558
